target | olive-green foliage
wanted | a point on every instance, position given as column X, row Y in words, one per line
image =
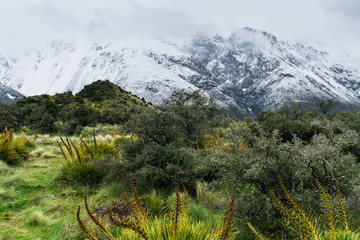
column 7, row 117
column 351, row 119
column 289, row 121
column 13, row 150
column 51, row 107
column 99, row 102
column 165, row 149
column 156, row 166
column 256, row 166
column 196, row 113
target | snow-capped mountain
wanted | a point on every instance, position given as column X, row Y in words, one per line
column 9, row 95
column 247, row 72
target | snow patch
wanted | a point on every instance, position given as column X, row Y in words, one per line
column 10, row 96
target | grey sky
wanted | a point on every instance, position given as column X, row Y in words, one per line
column 330, row 24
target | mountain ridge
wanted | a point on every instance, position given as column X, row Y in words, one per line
column 247, row 72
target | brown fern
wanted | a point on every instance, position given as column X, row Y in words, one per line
column 97, row 222
column 229, row 215
column 176, row 213
column 82, row 226
column 129, row 224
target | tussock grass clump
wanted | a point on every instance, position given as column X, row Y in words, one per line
column 208, row 197
column 14, row 150
column 80, row 166
column 175, row 225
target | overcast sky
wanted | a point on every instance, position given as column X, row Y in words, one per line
column 328, row 24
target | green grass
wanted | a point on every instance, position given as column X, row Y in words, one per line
column 33, row 204
column 36, row 204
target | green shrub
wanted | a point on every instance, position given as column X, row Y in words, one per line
column 255, row 168
column 13, row 150
column 156, row 166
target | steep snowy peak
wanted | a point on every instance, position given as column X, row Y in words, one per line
column 248, row 71
column 62, row 66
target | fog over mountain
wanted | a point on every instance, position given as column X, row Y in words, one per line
column 306, row 54
column 247, row 72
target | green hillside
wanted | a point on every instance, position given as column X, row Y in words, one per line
column 99, row 102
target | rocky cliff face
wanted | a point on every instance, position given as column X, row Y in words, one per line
column 247, row 72
column 9, row 95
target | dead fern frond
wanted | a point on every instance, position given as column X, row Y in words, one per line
column 185, row 204
column 89, row 150
column 36, row 135
column 130, row 225
column 68, row 147
column 292, row 217
column 63, row 153
column 96, row 221
column 139, row 206
column 73, row 143
column 95, row 143
column 176, row 213
column 132, row 206
column 259, row 235
column 82, row 226
column 229, row 215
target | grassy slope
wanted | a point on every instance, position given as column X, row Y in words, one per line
column 34, row 205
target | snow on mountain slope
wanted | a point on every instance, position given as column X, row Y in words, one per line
column 8, row 95
column 247, row 72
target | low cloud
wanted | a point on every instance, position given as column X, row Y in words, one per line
column 329, row 24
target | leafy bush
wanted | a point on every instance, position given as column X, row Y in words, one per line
column 154, row 165
column 164, row 152
column 256, row 166
column 13, row 150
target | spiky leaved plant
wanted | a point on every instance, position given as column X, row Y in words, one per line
column 302, row 221
column 328, row 210
column 179, row 227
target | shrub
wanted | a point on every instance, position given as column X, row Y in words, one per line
column 256, row 167
column 13, row 150
column 156, row 166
